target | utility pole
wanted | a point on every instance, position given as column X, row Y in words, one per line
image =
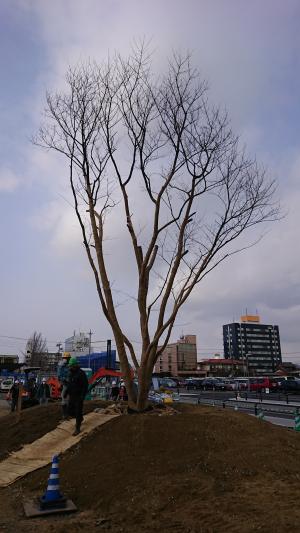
column 59, row 351
column 90, row 343
column 108, row 353
column 59, row 346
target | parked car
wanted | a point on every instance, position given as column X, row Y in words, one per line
column 180, row 382
column 278, row 382
column 213, row 384
column 6, row 384
column 290, row 385
column 220, row 384
column 167, row 383
column 242, row 384
column 193, row 383
column 263, row 383
column 231, row 384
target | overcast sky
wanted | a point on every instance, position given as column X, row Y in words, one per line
column 249, row 52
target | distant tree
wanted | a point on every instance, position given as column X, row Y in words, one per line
column 153, row 152
column 36, row 351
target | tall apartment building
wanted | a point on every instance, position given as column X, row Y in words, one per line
column 179, row 358
column 256, row 344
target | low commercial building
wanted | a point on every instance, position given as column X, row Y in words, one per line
column 9, row 362
column 179, row 358
column 218, row 367
column 287, row 368
column 47, row 361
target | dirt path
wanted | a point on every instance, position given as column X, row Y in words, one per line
column 3, row 412
column 39, row 453
column 34, row 423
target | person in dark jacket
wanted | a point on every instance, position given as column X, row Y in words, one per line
column 63, row 377
column 43, row 392
column 123, row 392
column 14, row 395
column 114, row 395
column 77, row 388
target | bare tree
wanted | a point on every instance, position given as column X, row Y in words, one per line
column 36, row 351
column 126, row 132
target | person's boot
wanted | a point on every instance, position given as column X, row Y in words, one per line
column 77, row 431
column 65, row 412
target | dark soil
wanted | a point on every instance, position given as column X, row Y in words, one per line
column 203, row 470
column 33, row 424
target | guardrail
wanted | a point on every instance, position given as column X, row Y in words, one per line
column 258, row 395
column 267, row 406
column 287, row 407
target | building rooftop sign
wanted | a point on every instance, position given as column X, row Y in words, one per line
column 251, row 318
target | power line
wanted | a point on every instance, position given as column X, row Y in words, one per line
column 203, row 349
column 15, row 338
column 24, row 339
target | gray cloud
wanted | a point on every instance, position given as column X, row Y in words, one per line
column 249, row 53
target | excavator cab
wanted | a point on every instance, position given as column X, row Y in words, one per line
column 29, row 389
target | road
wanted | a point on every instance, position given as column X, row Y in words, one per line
column 276, row 408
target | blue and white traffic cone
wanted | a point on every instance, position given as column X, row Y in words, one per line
column 53, row 497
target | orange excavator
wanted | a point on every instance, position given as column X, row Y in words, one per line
column 55, row 387
column 104, row 373
column 94, row 380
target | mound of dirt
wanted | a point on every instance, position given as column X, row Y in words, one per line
column 33, row 424
column 202, row 470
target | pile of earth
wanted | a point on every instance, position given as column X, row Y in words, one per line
column 202, row 470
column 32, row 425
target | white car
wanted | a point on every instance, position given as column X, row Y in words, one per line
column 230, row 384
column 6, row 384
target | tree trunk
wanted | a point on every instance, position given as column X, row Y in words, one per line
column 125, row 368
column 145, row 376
